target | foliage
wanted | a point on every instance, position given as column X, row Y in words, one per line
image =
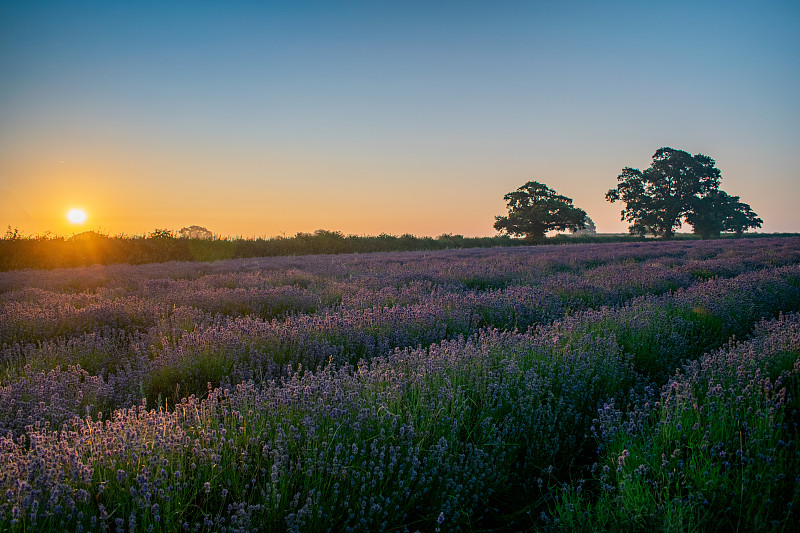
column 589, row 228
column 709, row 214
column 534, row 209
column 507, row 389
column 56, row 252
column 717, row 211
column 11, row 234
column 742, row 218
column 657, row 199
column 195, row 232
column 161, row 234
column 716, row 450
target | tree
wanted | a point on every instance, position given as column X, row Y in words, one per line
column 161, row 234
column 589, row 228
column 657, row 199
column 718, row 211
column 195, row 232
column 535, row 209
column 742, row 219
column 709, row 213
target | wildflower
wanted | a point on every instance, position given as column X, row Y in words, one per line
column 621, row 458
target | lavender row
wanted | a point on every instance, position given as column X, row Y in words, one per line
column 101, row 372
column 138, row 299
column 421, row 438
column 42, row 305
column 414, row 314
column 717, row 448
column 189, row 350
column 661, row 332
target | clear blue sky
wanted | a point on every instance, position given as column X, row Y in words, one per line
column 259, row 118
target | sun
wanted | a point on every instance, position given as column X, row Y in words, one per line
column 76, row 216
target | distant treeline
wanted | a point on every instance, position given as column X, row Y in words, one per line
column 18, row 252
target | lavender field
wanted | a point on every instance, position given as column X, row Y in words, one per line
column 628, row 386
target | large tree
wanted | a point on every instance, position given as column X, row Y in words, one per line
column 718, row 211
column 534, row 209
column 657, row 199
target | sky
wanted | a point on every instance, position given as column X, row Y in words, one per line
column 258, row 119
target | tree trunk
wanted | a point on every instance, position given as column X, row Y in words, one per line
column 535, row 238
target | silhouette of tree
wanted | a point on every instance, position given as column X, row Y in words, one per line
column 742, row 219
column 657, row 199
column 195, row 232
column 589, row 228
column 161, row 234
column 534, row 209
column 718, row 211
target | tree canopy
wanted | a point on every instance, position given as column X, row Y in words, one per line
column 718, row 211
column 679, row 187
column 534, row 209
column 195, row 232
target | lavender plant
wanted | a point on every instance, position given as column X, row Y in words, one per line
column 454, row 390
column 715, row 449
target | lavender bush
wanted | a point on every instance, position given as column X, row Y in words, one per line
column 716, row 449
column 453, row 390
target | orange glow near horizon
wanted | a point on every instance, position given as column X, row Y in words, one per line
column 418, row 122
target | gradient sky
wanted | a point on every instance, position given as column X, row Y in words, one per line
column 261, row 119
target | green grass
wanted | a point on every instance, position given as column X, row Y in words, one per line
column 717, row 452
